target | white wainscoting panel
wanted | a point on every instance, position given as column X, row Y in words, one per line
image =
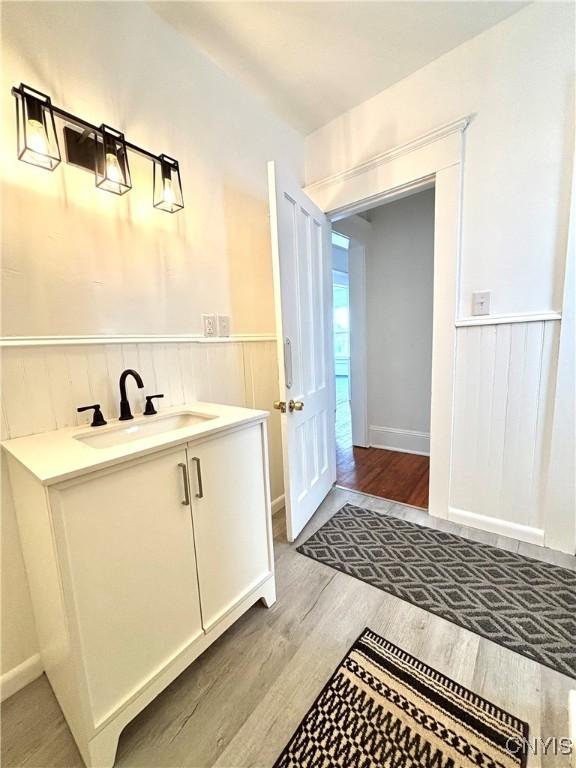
column 43, row 385
column 502, row 420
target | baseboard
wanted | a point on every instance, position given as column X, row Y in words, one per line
column 497, row 525
column 278, row 503
column 18, row 677
column 403, row 440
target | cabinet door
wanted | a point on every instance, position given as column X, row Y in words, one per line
column 230, row 512
column 127, row 548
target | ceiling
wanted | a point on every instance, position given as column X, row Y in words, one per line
column 311, row 61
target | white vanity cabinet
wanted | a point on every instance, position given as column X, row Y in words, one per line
column 229, row 512
column 126, row 554
column 136, row 568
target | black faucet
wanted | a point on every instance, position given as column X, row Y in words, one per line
column 125, row 412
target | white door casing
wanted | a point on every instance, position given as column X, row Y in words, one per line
column 435, row 158
column 301, row 243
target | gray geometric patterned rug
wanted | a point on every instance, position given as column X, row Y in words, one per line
column 515, row 601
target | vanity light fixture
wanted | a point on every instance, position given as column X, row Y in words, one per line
column 111, row 161
column 37, row 137
column 102, row 150
column 167, row 185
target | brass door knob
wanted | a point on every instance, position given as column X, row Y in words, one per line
column 295, row 405
column 280, row 405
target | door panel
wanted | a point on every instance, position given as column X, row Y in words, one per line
column 230, row 519
column 302, row 283
column 129, row 550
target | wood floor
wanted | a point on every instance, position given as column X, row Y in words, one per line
column 238, row 704
column 401, row 477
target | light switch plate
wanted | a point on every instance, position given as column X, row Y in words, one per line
column 223, row 325
column 481, row 303
column 209, row 325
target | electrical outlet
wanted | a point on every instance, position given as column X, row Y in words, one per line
column 223, row 325
column 481, row 303
column 209, row 325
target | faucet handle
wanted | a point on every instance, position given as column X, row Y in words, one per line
column 150, row 410
column 98, row 418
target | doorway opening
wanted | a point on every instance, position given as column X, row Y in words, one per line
column 341, row 336
column 383, row 271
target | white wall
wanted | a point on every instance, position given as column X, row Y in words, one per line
column 76, row 260
column 517, row 79
column 90, row 262
column 399, row 289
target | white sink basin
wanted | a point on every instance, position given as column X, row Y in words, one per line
column 128, row 431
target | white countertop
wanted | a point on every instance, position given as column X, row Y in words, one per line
column 56, row 456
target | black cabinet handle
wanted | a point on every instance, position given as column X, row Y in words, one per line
column 150, row 410
column 98, row 418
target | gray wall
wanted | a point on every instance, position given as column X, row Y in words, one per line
column 399, row 285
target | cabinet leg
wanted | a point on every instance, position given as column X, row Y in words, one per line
column 269, row 594
column 100, row 750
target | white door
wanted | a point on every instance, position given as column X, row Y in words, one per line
column 230, row 513
column 303, row 292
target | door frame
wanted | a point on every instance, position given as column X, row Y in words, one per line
column 433, row 159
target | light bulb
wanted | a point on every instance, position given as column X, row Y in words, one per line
column 113, row 170
column 36, row 139
column 168, row 195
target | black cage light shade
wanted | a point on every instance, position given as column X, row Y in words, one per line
column 111, row 162
column 37, row 137
column 167, row 185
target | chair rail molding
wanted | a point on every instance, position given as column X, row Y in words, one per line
column 515, row 317
column 56, row 341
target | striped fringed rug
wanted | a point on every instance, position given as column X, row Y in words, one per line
column 383, row 708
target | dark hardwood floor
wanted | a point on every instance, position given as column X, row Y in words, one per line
column 401, row 477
